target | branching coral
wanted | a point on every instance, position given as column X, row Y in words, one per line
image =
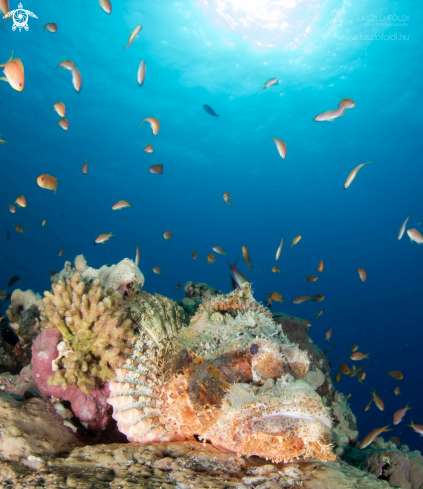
column 94, row 332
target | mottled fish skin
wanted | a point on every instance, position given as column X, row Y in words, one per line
column 210, row 111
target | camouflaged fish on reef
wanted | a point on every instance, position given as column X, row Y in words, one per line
column 230, row 377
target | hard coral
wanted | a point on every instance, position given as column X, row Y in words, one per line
column 231, row 377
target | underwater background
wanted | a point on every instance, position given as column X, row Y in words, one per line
column 219, row 53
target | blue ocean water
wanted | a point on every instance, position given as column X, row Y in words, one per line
column 220, row 52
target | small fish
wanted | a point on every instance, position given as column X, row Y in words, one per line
column 415, row 236
column 157, row 270
column 349, row 395
column 280, row 146
column 319, row 314
column 12, row 209
column 51, row 27
column 400, row 414
column 210, row 111
column 402, row 229
column 8, row 235
column 102, row 238
column 64, row 124
column 227, row 199
column 269, row 83
column 133, row 35
column 60, row 108
column 211, row 258
column 372, row 435
column 337, row 377
column 106, row 6
column 43, row 223
column 13, row 280
column 21, row 201
column 378, row 401
column 275, row 269
column 418, row 428
column 137, row 255
column 346, row 103
column 361, row 377
column 320, row 267
column 3, row 141
column 275, row 296
column 318, row 298
column 48, row 182
column 149, row 149
column 218, row 250
column 362, row 274
column 19, row 229
column 355, row 370
column 4, row 8
column 295, row 240
column 238, row 277
column 156, row 169
column 396, row 374
column 395, row 439
column 397, row 391
column 194, row 254
column 328, row 349
column 301, row 299
column 306, row 322
column 344, row 369
column 121, row 204
column 167, row 235
column 85, row 167
column 279, row 250
column 357, row 356
column 368, row 405
column 354, row 348
column 353, row 174
column 60, row 252
column 311, row 278
column 14, row 73
column 76, row 79
column 246, row 256
column 178, row 286
column 328, row 335
column 142, row 70
column 330, row 115
column 67, row 65
column 154, row 124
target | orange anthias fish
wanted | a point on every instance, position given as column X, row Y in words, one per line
column 372, row 435
column 85, row 167
column 306, row 322
column 418, row 428
column 397, row 391
column 353, row 174
column 76, row 79
column 43, row 223
column 218, row 249
column 330, row 115
column 64, row 124
column 133, row 35
column 359, row 356
column 154, row 124
column 415, row 236
column 194, row 254
column 269, row 83
column 378, row 401
column 319, row 314
column 368, row 405
column 149, row 149
column 51, row 27
column 14, row 73
column 4, row 8
column 349, row 395
column 311, row 278
column 343, row 368
column 337, row 377
column 211, row 258
column 227, row 199
column 60, row 252
column 157, row 270
column 362, row 274
column 354, row 348
column 328, row 335
column 396, row 374
column 137, row 255
column 2, row 141
column 346, row 103
column 301, row 299
column 106, row 6
column 21, row 201
column 246, row 256
column 362, row 377
column 19, row 229
column 167, row 235
column 48, row 182
column 156, row 169
column 67, row 65
column 280, row 146
column 402, row 229
column 121, row 204
column 275, row 296
column 275, row 269
column 318, row 298
column 279, row 250
column 142, row 70
column 178, row 286
column 320, row 267
column 102, row 238
column 60, row 108
column 400, row 414
column 12, row 209
column 295, row 240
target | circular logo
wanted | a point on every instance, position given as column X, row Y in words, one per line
column 20, row 18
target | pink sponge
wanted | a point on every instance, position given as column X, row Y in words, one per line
column 92, row 409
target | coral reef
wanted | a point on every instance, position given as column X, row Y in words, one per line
column 4, row 296
column 231, row 377
column 195, row 294
column 18, row 384
column 345, row 423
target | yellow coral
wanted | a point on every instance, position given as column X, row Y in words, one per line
column 94, row 331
